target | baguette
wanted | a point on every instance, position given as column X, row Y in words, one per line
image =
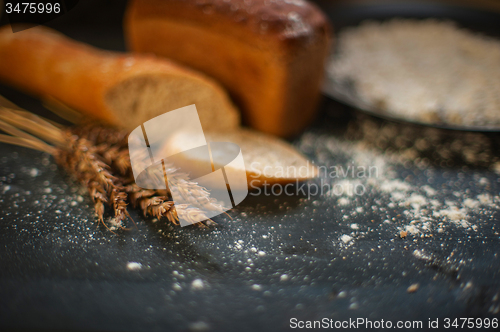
column 122, row 89
column 269, row 55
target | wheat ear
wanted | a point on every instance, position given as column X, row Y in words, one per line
column 80, row 160
column 91, row 155
column 115, row 153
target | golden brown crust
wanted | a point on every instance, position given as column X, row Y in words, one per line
column 273, row 74
column 285, row 20
column 47, row 63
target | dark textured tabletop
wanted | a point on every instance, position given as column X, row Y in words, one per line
column 415, row 239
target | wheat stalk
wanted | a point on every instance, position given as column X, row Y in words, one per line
column 79, row 159
column 115, row 153
column 98, row 158
column 100, row 134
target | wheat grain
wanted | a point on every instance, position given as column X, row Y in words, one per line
column 97, row 156
column 80, row 160
column 116, row 154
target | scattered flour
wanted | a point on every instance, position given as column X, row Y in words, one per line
column 346, row 238
column 134, row 266
column 418, row 210
column 256, row 287
column 197, row 284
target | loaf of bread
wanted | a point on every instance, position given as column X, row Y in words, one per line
column 122, row 89
column 269, row 55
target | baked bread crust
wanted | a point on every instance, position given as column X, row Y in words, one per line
column 106, row 84
column 269, row 54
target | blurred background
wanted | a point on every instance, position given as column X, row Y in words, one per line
column 100, row 21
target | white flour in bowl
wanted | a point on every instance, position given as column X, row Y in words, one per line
column 427, row 71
